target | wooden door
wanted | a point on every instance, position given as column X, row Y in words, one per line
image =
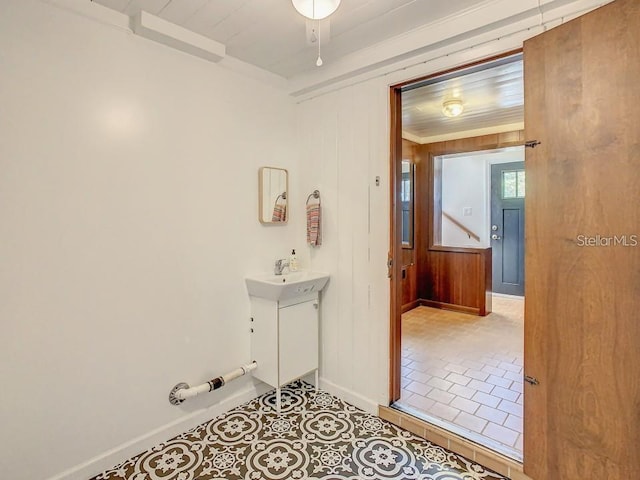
column 507, row 227
column 582, row 313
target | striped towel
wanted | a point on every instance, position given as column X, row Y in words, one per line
column 279, row 212
column 314, row 234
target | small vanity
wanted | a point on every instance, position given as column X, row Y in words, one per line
column 284, row 325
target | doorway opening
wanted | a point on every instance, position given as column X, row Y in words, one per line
column 480, row 204
column 458, row 306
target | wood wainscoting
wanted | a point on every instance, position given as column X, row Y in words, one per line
column 457, row 279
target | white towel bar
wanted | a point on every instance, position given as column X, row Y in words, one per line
column 182, row 391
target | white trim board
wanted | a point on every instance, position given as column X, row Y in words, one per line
column 504, row 295
column 349, row 396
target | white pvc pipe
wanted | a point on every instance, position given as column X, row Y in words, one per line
column 214, row 384
column 192, row 391
column 238, row 372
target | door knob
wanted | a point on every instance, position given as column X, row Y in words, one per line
column 495, row 237
column 494, row 227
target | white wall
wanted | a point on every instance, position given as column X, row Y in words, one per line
column 466, row 182
column 343, row 138
column 465, row 186
column 128, row 207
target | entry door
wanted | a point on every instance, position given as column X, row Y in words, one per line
column 507, row 227
column 582, row 259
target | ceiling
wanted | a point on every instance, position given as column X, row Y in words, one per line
column 272, row 35
column 394, row 39
column 492, row 98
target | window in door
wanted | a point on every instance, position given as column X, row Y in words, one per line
column 513, row 184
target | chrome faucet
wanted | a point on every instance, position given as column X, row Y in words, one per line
column 280, row 265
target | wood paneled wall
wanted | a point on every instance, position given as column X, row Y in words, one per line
column 456, row 278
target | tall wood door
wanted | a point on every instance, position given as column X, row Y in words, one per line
column 507, row 227
column 582, row 290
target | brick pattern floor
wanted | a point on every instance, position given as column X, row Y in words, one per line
column 467, row 370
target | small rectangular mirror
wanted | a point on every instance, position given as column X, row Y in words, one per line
column 273, row 186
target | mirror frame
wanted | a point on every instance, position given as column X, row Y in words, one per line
column 261, row 195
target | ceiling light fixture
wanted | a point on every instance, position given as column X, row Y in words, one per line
column 452, row 108
column 316, row 10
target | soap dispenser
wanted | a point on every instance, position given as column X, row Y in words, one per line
column 293, row 262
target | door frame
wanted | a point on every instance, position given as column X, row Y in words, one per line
column 395, row 227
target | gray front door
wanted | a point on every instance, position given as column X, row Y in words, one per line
column 507, row 227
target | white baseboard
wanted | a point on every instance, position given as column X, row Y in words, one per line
column 350, row 396
column 504, row 295
column 110, row 458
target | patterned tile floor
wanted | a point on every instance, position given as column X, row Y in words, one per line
column 466, row 372
column 317, row 436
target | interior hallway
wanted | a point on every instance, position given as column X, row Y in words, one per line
column 464, row 372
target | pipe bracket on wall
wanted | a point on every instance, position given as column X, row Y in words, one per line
column 173, row 400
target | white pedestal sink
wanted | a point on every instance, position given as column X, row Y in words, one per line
column 284, row 325
column 286, row 286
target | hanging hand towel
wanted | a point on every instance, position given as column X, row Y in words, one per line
column 314, row 234
column 279, row 212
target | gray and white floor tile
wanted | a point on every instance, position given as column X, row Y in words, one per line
column 316, row 436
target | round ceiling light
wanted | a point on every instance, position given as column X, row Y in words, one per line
column 452, row 108
column 316, row 9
